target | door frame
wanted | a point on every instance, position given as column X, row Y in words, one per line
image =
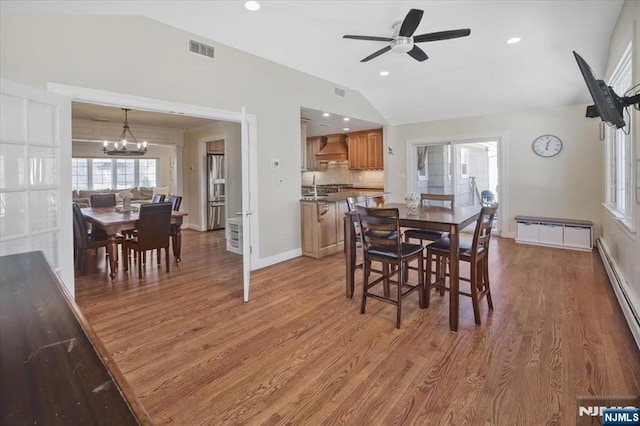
column 202, row 173
column 83, row 94
column 500, row 137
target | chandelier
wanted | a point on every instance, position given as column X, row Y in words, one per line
column 120, row 147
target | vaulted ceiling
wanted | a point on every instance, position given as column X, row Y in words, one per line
column 475, row 75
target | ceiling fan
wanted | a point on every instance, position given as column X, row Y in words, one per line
column 403, row 40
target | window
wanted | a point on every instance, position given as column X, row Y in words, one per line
column 120, row 173
column 464, row 163
column 619, row 146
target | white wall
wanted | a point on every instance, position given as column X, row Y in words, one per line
column 569, row 185
column 141, row 57
column 625, row 247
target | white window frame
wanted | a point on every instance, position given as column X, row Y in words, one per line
column 619, row 149
column 114, row 170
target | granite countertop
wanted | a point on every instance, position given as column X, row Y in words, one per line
column 337, row 197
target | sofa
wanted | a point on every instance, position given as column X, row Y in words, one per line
column 142, row 194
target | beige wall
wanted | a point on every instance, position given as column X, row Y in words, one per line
column 625, row 248
column 569, row 185
column 141, row 57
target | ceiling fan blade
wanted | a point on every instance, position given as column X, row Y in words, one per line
column 376, row 54
column 441, row 35
column 372, row 38
column 417, row 54
column 411, row 22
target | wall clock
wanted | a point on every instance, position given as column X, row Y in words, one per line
column 547, row 145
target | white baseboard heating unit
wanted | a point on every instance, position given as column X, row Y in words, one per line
column 628, row 301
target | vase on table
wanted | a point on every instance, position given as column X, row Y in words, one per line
column 412, row 201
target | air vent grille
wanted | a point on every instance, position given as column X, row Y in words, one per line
column 201, row 48
column 339, row 91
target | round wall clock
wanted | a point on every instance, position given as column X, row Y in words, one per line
column 547, row 145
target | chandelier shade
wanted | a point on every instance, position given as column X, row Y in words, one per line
column 126, row 139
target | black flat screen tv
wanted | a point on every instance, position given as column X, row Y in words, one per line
column 609, row 105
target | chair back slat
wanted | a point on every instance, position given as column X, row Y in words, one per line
column 175, row 201
column 443, row 199
column 103, row 200
column 157, row 198
column 352, row 202
column 482, row 233
column 377, row 226
column 154, row 225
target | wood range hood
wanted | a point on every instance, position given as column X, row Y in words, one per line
column 334, row 148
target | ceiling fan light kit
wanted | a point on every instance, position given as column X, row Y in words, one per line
column 403, row 40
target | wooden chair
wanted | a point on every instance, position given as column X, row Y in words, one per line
column 103, row 200
column 382, row 242
column 175, row 201
column 157, row 198
column 477, row 254
column 427, row 234
column 84, row 239
column 154, row 231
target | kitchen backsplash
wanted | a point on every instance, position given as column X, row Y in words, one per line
column 340, row 173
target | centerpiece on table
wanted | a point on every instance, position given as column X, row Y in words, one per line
column 412, row 200
column 126, row 196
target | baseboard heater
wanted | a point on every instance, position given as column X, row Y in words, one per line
column 629, row 304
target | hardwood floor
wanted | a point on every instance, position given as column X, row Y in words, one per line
column 301, row 353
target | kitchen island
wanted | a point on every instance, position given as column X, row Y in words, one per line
column 322, row 221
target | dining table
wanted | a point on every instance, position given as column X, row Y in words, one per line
column 451, row 220
column 114, row 220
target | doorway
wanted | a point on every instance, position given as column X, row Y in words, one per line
column 470, row 168
column 248, row 151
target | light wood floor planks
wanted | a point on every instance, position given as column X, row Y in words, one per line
column 301, row 353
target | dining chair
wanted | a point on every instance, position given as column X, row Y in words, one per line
column 157, row 198
column 175, row 201
column 103, row 200
column 382, row 242
column 154, row 229
column 448, row 200
column 476, row 253
column 84, row 239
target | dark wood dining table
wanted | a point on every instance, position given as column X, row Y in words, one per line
column 426, row 217
column 113, row 221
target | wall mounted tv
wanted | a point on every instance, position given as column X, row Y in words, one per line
column 608, row 105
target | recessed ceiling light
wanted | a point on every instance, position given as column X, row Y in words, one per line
column 325, row 114
column 346, row 129
column 513, row 40
column 252, row 5
column 346, row 119
column 384, row 73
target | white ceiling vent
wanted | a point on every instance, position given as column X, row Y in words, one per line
column 201, row 48
column 339, row 91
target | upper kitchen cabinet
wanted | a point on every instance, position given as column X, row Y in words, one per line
column 303, row 143
column 215, row 147
column 365, row 150
column 314, row 145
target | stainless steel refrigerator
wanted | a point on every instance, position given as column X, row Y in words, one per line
column 215, row 192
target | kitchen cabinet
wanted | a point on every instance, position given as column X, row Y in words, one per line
column 303, row 143
column 314, row 145
column 322, row 228
column 366, row 150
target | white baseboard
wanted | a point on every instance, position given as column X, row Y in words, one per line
column 281, row 257
column 193, row 226
column 628, row 301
